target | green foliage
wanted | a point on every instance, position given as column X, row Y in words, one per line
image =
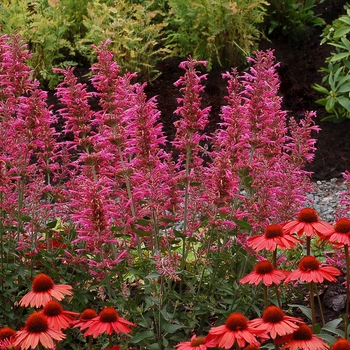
column 47, row 28
column 135, row 32
column 221, row 32
column 336, row 82
column 291, row 17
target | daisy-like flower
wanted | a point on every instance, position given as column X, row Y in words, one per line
column 303, row 339
column 265, row 272
column 275, row 323
column 341, row 344
column 272, row 238
column 236, row 329
column 197, row 343
column 310, row 270
column 56, row 316
column 308, row 223
column 107, row 321
column 43, row 290
column 6, row 333
column 7, row 337
column 87, row 315
column 341, row 233
column 37, row 331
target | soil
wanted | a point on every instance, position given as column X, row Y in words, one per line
column 300, row 60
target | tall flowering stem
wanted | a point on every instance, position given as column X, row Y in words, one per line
column 188, row 136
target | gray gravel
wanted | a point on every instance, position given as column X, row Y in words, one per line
column 325, row 196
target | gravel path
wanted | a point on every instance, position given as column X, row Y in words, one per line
column 325, row 197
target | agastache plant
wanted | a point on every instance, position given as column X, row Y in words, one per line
column 28, row 147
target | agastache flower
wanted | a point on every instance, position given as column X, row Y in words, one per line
column 193, row 119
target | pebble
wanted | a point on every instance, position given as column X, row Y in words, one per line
column 325, row 197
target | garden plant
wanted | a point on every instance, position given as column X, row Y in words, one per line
column 107, row 241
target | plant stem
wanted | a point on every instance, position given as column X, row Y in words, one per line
column 90, row 342
column 320, row 305
column 308, row 245
column 312, row 306
column 347, row 262
column 265, row 296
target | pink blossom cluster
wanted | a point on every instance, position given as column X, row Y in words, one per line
column 107, row 173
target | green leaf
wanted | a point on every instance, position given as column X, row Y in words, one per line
column 345, row 19
column 153, row 275
column 330, row 104
column 341, row 31
column 320, row 88
column 141, row 336
column 344, row 88
column 345, row 102
column 306, row 311
column 339, row 56
column 173, row 328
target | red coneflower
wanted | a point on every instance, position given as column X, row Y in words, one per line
column 272, row 238
column 43, row 289
column 275, row 323
column 303, row 339
column 107, row 321
column 87, row 315
column 35, row 331
column 236, row 329
column 341, row 344
column 310, row 270
column 308, row 223
column 266, row 273
column 198, row 343
column 56, row 316
column 340, row 233
column 7, row 337
column 6, row 333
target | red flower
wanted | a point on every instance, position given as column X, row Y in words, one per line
column 310, row 270
column 56, row 316
column 37, row 331
column 272, row 238
column 275, row 323
column 307, row 223
column 116, row 347
column 266, row 273
column 87, row 315
column 198, row 343
column 236, row 329
column 252, row 347
column 341, row 233
column 43, row 289
column 303, row 339
column 7, row 337
column 108, row 321
column 341, row 344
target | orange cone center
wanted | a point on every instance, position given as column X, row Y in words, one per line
column 308, row 215
column 273, row 314
column 109, row 315
column 309, row 263
column 197, row 341
column 42, row 283
column 36, row 323
column 303, row 333
column 236, row 322
column 273, row 231
column 263, row 267
column 342, row 226
column 52, row 308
